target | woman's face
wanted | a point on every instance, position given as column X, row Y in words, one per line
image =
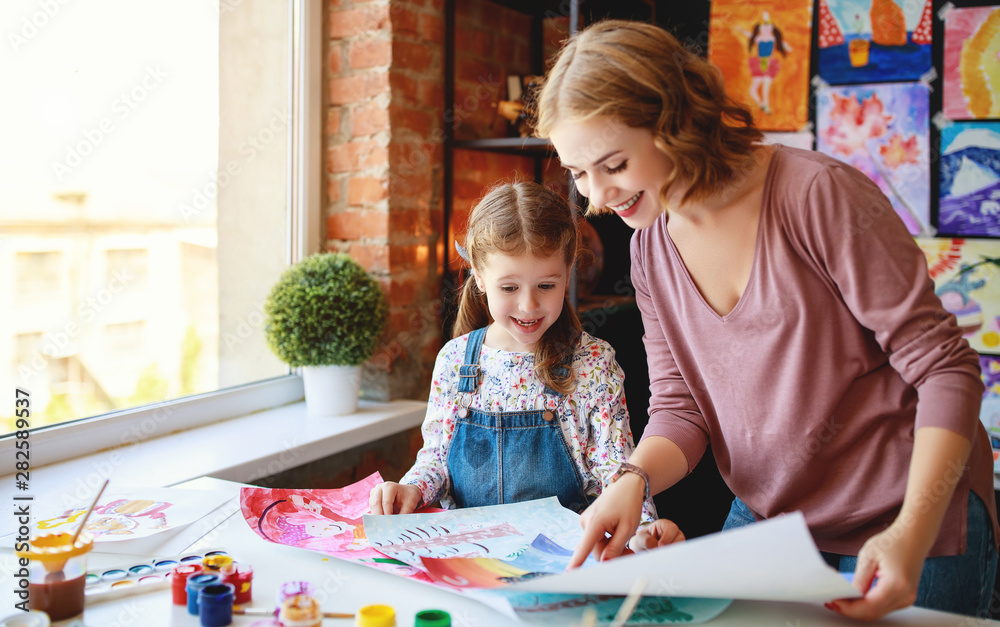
column 615, row 166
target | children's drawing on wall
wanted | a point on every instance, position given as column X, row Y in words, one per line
column 874, row 40
column 971, row 66
column 989, row 413
column 123, row 516
column 970, row 179
column 762, row 49
column 883, row 131
column 327, row 521
column 966, row 276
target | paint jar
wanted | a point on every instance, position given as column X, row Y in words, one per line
column 178, row 581
column 300, row 610
column 376, row 616
column 56, row 569
column 194, row 585
column 215, row 604
column 216, row 563
column 241, row 576
column 432, row 618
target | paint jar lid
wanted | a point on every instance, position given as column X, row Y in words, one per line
column 31, row 618
column 376, row 616
column 432, row 618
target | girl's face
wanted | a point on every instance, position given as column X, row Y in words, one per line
column 615, row 166
column 525, row 296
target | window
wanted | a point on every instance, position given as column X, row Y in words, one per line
column 168, row 181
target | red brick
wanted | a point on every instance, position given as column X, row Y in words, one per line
column 355, row 22
column 476, row 42
column 372, row 257
column 333, row 190
column 404, row 88
column 407, row 118
column 404, row 19
column 366, row 190
column 353, row 224
column 357, row 88
column 369, row 119
column 356, row 155
column 369, row 53
column 412, row 56
column 430, row 94
column 402, row 293
column 432, row 28
column 333, row 121
column 472, row 71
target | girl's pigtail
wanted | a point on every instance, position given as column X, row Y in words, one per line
column 473, row 312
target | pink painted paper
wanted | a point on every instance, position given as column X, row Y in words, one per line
column 327, row 521
column 971, row 70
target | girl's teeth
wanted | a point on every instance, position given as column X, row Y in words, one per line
column 526, row 324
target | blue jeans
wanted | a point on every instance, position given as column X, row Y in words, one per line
column 962, row 584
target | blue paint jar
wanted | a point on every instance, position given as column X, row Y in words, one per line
column 194, row 585
column 215, row 604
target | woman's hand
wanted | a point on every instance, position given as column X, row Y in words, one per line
column 616, row 511
column 393, row 498
column 661, row 533
column 891, row 560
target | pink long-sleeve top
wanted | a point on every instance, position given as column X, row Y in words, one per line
column 810, row 389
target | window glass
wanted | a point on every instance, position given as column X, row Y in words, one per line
column 143, row 216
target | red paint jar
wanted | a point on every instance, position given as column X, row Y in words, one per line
column 178, row 581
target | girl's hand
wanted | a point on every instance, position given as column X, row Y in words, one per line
column 660, row 533
column 393, row 498
column 617, row 511
column 893, row 562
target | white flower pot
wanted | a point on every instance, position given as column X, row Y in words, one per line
column 331, row 390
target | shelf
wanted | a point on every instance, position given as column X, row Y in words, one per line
column 513, row 145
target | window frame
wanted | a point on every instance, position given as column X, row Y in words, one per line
column 54, row 443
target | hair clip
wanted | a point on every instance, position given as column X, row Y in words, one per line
column 463, row 252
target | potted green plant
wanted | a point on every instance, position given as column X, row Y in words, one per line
column 326, row 314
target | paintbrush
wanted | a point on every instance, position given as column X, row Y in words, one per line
column 628, row 606
column 263, row 611
column 83, row 523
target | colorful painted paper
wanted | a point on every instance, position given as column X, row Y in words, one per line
column 762, row 48
column 970, row 179
column 882, row 130
column 971, row 71
column 328, row 521
column 130, row 515
column 570, row 609
column 966, row 276
column 869, row 41
column 492, row 531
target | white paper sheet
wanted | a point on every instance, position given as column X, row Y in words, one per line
column 774, row 560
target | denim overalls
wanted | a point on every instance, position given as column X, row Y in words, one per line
column 508, row 457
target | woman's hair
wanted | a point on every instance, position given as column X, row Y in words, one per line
column 515, row 219
column 641, row 76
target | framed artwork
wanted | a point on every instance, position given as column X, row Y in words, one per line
column 969, row 190
column 971, row 70
column 762, row 48
column 883, row 131
column 871, row 41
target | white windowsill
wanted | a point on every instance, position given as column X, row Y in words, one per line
column 243, row 449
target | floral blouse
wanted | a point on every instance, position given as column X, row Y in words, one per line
column 594, row 417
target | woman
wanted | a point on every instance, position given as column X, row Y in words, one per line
column 789, row 322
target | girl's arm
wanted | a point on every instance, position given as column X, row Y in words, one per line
column 610, row 434
column 897, row 554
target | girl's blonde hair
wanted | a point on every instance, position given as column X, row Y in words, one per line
column 515, row 219
column 640, row 75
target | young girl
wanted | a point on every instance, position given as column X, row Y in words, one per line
column 789, row 321
column 523, row 404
